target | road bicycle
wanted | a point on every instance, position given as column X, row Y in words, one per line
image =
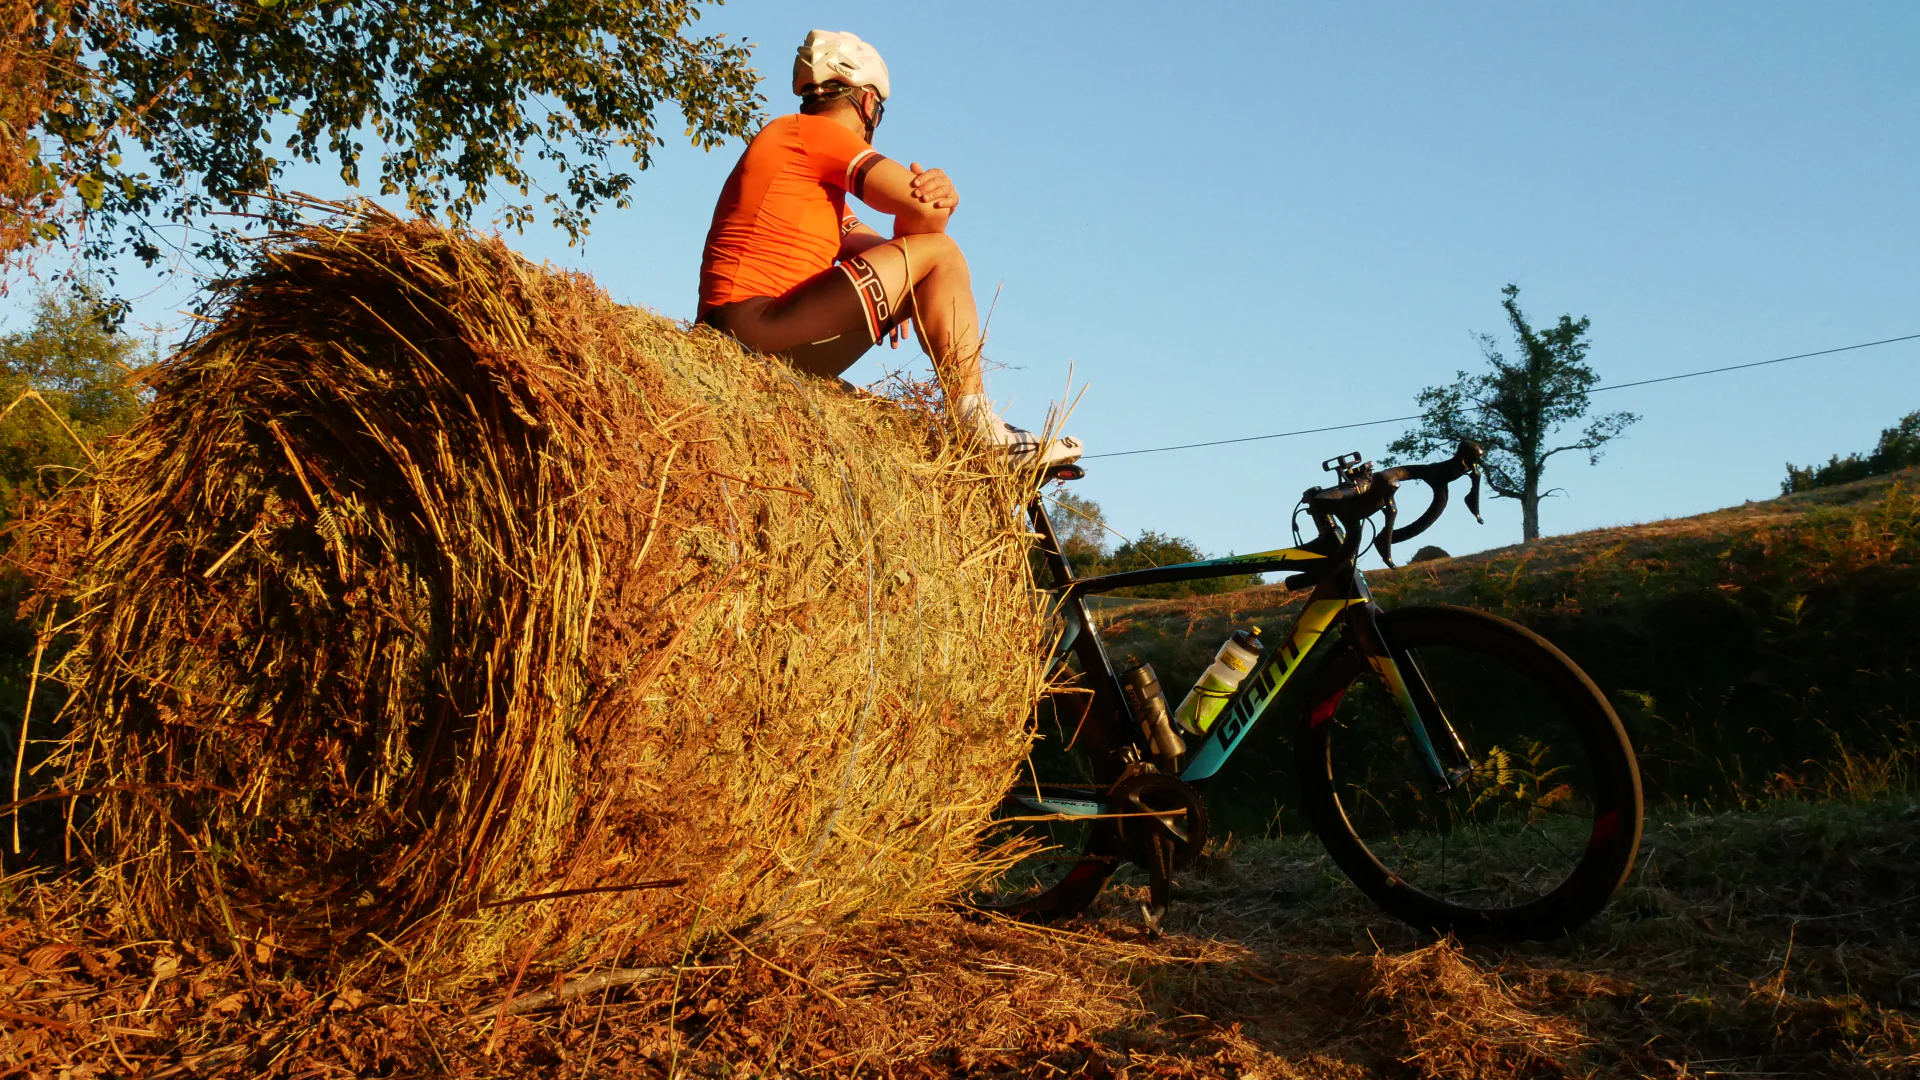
column 1461, row 770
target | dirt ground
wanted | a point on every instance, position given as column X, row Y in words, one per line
column 1769, row 944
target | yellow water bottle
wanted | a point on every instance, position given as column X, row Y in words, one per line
column 1221, row 679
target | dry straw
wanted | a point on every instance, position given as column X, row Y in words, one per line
column 436, row 583
column 1459, row 1022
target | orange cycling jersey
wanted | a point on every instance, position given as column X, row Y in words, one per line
column 779, row 219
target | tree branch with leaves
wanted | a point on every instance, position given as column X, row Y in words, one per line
column 468, row 99
column 1516, row 409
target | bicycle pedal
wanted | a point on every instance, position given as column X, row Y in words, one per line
column 1152, row 919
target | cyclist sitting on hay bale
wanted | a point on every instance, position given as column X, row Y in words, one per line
column 788, row 270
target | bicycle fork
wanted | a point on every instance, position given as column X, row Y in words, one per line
column 1437, row 743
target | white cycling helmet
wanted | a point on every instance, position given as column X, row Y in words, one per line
column 837, row 56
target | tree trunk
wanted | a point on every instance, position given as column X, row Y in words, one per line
column 1530, row 505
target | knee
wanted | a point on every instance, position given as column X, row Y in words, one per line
column 944, row 257
column 938, row 249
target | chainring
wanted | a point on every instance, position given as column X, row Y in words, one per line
column 1150, row 803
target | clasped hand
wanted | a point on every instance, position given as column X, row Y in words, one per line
column 932, row 187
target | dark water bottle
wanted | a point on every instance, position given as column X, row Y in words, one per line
column 1149, row 704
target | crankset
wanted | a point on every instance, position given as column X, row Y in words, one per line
column 1162, row 826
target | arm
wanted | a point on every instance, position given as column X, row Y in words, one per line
column 920, row 201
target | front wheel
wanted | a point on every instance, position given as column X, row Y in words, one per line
column 1540, row 824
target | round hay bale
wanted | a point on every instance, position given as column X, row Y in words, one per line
column 436, row 583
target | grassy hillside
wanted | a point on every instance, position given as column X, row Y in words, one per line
column 1765, row 650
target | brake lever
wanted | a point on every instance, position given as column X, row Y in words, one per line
column 1383, row 540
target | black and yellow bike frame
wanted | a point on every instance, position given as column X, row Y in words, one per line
column 1340, row 599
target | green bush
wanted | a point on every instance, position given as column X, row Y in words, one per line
column 1899, row 447
column 1084, row 536
column 66, row 382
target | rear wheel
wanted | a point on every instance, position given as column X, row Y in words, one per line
column 1065, row 860
column 1541, row 827
column 1065, row 864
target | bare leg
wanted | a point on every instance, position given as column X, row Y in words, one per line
column 821, row 326
column 929, row 275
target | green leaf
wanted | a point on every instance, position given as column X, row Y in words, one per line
column 92, row 189
column 445, row 85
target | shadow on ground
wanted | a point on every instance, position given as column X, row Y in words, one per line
column 1776, row 943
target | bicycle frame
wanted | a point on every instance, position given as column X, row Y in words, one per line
column 1337, row 599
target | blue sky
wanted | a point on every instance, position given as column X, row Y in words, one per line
column 1234, row 219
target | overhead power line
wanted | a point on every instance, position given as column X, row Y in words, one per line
column 1250, row 438
column 1416, row 416
column 1755, row 364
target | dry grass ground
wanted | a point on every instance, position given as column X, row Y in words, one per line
column 1554, row 561
column 1765, row 944
column 1771, row 937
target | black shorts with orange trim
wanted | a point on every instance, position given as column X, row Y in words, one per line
column 879, row 315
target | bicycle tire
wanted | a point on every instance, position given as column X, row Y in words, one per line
column 1075, row 858
column 1456, row 862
